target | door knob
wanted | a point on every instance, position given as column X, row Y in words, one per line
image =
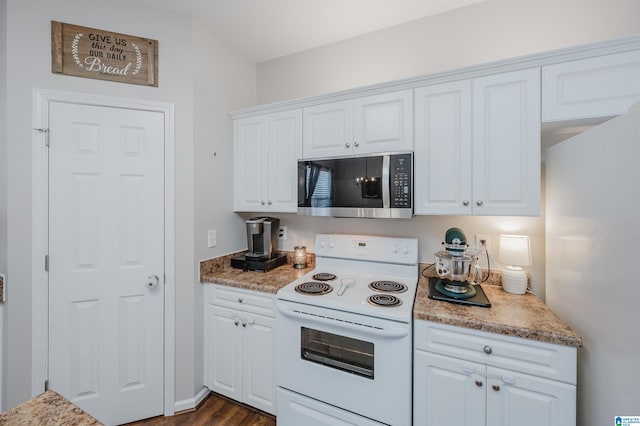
column 152, row 281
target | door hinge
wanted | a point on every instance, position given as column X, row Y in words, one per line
column 46, row 263
column 46, row 135
column 46, row 385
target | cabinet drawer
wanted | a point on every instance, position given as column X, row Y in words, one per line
column 245, row 300
column 541, row 359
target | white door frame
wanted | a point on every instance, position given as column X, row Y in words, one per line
column 40, row 230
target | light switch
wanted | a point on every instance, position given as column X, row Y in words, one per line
column 212, row 238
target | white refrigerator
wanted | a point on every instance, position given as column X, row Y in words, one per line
column 593, row 261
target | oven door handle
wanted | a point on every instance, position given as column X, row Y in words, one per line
column 366, row 329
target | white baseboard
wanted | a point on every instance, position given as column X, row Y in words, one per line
column 191, row 403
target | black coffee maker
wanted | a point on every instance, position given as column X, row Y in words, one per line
column 262, row 242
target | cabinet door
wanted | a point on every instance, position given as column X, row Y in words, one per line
column 250, row 163
column 223, row 351
column 285, row 146
column 448, row 391
column 596, row 87
column 506, row 145
column 328, row 130
column 443, row 149
column 383, row 123
column 523, row 400
column 259, row 385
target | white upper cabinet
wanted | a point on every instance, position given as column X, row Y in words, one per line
column 477, row 147
column 603, row 86
column 506, row 144
column 379, row 123
column 443, row 149
column 266, row 149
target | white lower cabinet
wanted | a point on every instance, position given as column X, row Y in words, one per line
column 239, row 346
column 478, row 391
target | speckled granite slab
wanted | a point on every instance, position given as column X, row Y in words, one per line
column 510, row 314
column 48, row 409
column 219, row 271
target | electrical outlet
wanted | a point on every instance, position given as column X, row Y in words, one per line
column 212, row 238
column 282, row 233
column 483, row 242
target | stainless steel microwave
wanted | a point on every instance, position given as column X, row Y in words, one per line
column 372, row 186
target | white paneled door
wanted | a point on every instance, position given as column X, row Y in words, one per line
column 106, row 259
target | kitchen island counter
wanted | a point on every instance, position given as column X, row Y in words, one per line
column 48, row 408
column 514, row 315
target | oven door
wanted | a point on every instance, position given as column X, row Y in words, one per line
column 358, row 363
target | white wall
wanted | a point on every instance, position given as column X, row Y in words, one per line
column 28, row 58
column 483, row 32
column 224, row 81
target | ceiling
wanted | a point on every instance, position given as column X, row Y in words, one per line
column 268, row 29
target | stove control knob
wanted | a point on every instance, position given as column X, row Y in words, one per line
column 405, row 250
column 321, row 243
column 331, row 244
column 394, row 249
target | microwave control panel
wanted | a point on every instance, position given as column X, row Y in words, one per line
column 400, row 171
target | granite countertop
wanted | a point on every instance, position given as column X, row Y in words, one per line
column 219, row 271
column 48, row 409
column 513, row 315
column 510, row 314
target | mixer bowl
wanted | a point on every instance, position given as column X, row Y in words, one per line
column 460, row 268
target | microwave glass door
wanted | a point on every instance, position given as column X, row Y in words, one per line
column 341, row 182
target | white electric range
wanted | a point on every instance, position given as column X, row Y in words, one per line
column 345, row 333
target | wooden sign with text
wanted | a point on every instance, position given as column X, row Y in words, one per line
column 92, row 53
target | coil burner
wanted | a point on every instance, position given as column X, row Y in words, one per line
column 324, row 276
column 386, row 300
column 314, row 288
column 388, row 286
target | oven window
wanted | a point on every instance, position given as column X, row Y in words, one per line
column 340, row 352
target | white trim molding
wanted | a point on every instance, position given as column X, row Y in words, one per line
column 192, row 403
column 40, row 182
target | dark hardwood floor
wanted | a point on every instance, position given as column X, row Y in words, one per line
column 216, row 410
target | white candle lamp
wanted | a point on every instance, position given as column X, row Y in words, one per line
column 515, row 252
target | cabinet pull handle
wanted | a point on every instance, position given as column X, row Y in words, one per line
column 236, row 322
column 240, row 300
column 465, row 203
column 495, row 387
column 356, row 144
column 262, row 202
column 347, row 145
column 487, row 350
column 269, row 202
column 244, row 323
column 479, row 203
column 479, row 383
column 251, row 321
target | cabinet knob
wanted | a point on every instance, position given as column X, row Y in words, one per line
column 487, row 350
column 240, row 300
column 479, row 383
column 356, row 144
column 479, row 203
column 347, row 145
column 495, row 387
column 269, row 202
column 236, row 322
column 465, row 202
column 262, row 202
column 244, row 323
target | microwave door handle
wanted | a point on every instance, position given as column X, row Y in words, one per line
column 386, row 197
